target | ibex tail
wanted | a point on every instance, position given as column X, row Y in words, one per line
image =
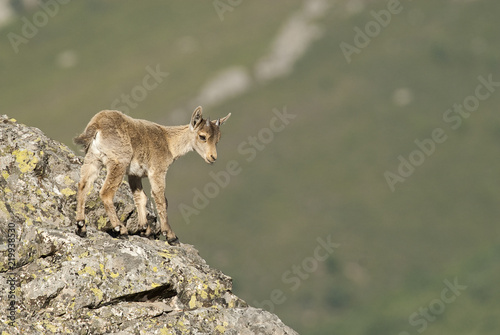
column 86, row 137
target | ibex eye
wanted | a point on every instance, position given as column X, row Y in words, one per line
column 203, row 138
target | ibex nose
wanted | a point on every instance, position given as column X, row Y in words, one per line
column 214, row 158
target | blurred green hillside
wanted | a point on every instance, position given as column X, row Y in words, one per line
column 323, row 175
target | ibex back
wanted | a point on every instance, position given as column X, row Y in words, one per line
column 139, row 148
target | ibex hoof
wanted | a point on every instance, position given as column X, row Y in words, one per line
column 80, row 228
column 174, row 241
column 122, row 231
column 80, row 232
column 145, row 231
column 148, row 236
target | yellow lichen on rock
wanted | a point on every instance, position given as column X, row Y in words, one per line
column 167, row 253
column 221, row 328
column 26, row 160
column 101, row 222
column 87, row 270
column 68, row 181
column 84, row 254
column 101, row 266
column 18, row 207
column 68, row 192
column 98, row 293
column 194, row 303
column 163, row 331
column 50, row 327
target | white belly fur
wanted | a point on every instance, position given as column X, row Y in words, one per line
column 136, row 169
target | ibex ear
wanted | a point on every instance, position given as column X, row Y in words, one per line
column 196, row 118
column 221, row 121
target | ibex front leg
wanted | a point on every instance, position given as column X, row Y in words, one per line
column 158, row 193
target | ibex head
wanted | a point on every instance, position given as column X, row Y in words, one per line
column 206, row 134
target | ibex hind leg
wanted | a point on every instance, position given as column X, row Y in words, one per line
column 88, row 174
column 113, row 180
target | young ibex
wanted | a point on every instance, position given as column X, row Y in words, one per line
column 139, row 148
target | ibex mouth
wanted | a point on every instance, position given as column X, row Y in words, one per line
column 210, row 160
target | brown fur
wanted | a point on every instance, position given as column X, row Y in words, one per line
column 139, row 148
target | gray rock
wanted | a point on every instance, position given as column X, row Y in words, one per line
column 63, row 284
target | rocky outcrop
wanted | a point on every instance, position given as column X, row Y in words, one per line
column 54, row 282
